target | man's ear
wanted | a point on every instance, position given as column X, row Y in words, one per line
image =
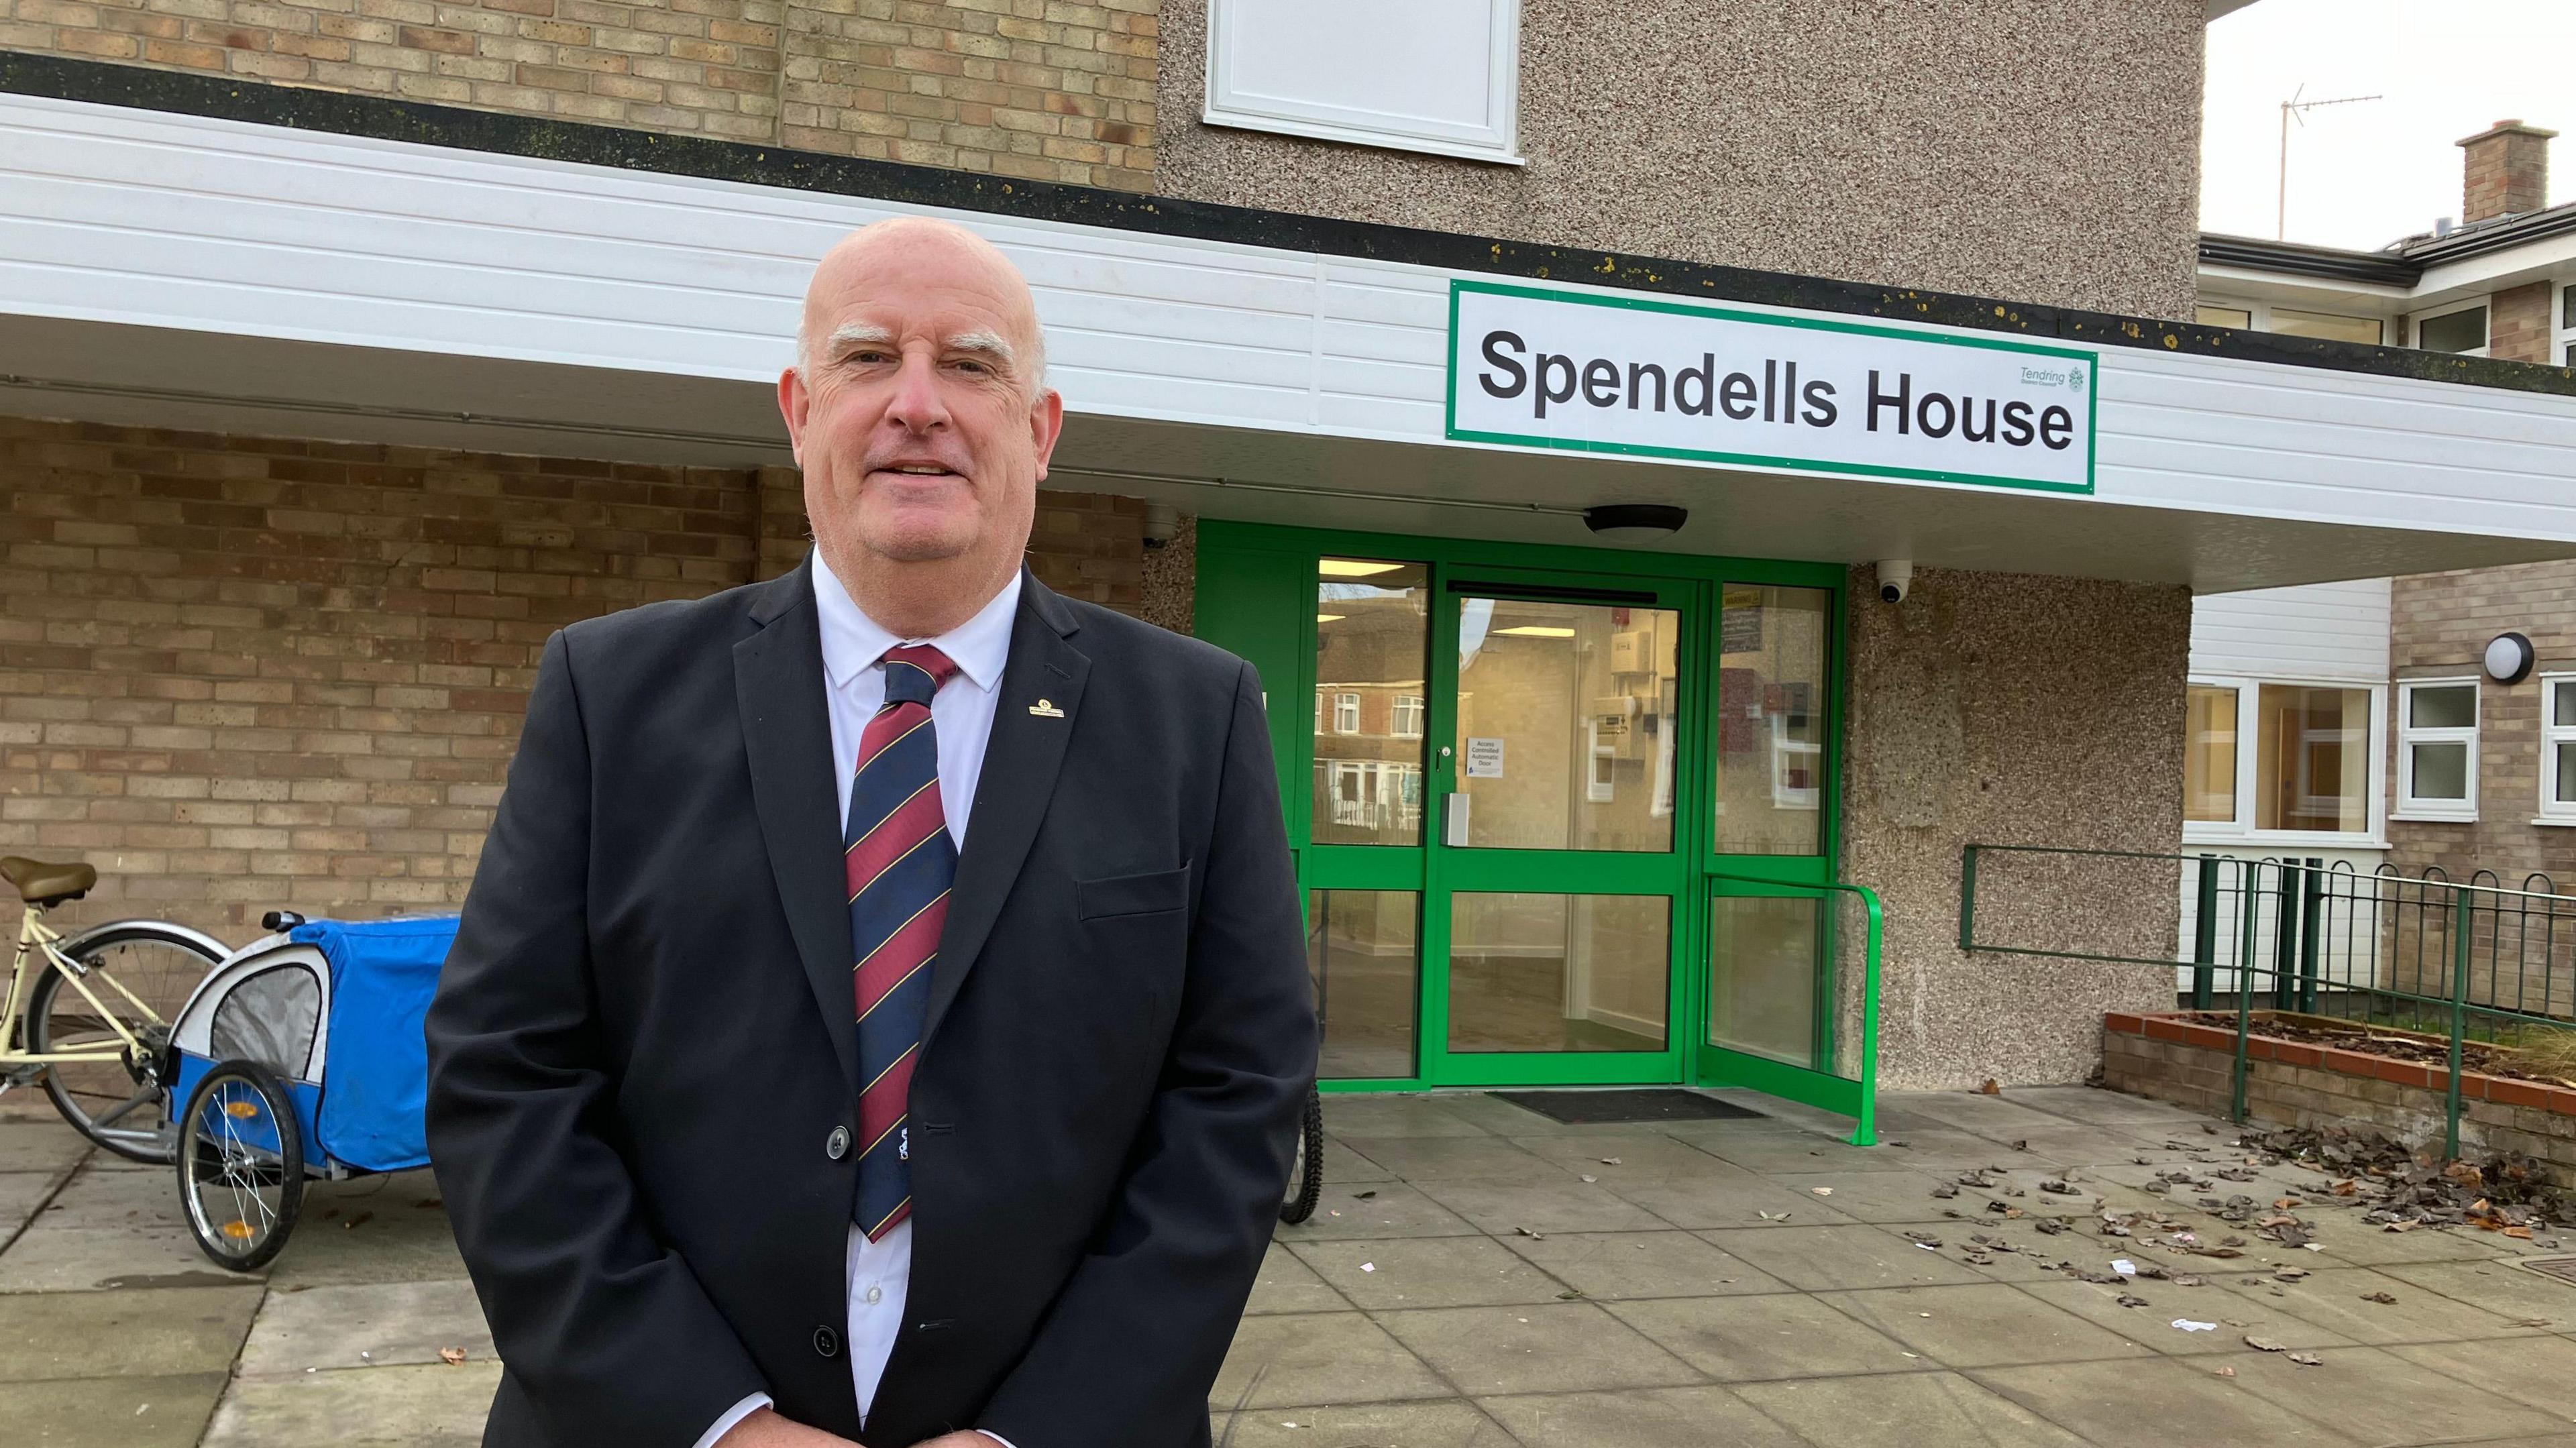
column 1046, row 424
column 794, row 403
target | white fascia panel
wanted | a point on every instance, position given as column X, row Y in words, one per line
column 172, row 221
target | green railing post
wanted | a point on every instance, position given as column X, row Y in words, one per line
column 1968, row 899
column 2250, row 876
column 2204, row 934
column 1865, row 1133
column 2285, row 937
column 2311, row 910
column 2463, row 918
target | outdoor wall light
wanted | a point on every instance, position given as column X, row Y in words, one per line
column 1635, row 520
column 2509, row 658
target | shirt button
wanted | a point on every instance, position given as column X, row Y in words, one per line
column 875, row 1295
column 827, row 1343
column 837, row 1145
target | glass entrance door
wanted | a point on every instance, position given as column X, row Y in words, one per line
column 1557, row 870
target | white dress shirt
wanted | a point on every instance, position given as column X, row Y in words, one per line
column 961, row 714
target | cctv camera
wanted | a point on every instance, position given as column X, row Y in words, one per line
column 1895, row 578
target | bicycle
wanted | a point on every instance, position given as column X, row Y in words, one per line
column 101, row 1052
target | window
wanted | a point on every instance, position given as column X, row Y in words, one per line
column 2209, row 755
column 2567, row 327
column 1408, row 717
column 2558, row 749
column 2437, row 750
column 2464, row 330
column 2327, row 325
column 1441, row 76
column 2313, row 769
column 1346, row 713
column 2209, row 316
column 2273, row 761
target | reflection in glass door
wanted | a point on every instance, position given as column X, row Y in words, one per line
column 1555, row 872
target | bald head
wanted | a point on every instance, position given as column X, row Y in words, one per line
column 887, row 252
column 921, row 416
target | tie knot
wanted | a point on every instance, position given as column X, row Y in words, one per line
column 914, row 672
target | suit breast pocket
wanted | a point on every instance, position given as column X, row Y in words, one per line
column 1124, row 895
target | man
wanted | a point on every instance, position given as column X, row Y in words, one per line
column 879, row 1014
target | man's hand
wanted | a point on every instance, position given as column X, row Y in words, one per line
column 765, row 1428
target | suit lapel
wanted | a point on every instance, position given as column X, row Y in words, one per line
column 1045, row 674
column 787, row 731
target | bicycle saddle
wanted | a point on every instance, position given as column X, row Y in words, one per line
column 43, row 884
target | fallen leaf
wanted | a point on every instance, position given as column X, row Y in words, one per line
column 1526, row 1232
column 2383, row 1298
column 2304, row 1359
column 1364, row 1196
column 1990, row 1088
column 451, row 1355
column 2265, row 1344
column 1609, row 1161
column 2223, row 1372
column 1825, row 1191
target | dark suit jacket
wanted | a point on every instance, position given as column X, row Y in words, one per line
column 644, row 1038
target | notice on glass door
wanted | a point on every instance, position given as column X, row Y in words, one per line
column 1484, row 759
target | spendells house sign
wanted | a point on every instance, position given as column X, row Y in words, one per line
column 1646, row 376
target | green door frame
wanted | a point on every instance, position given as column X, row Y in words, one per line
column 1256, row 597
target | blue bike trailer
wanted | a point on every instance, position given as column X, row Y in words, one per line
column 334, row 1008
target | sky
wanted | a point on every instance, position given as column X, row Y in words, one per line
column 2363, row 175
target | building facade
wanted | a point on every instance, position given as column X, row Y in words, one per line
column 336, row 383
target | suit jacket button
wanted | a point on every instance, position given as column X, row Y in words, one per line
column 837, row 1145
column 827, row 1343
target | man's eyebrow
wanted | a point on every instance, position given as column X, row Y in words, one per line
column 987, row 344
column 855, row 334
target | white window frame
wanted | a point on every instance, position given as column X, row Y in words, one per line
column 2553, row 730
column 2262, row 318
column 1346, row 700
column 2241, row 830
column 1404, row 704
column 2415, row 324
column 2451, row 810
column 1497, row 140
column 2562, row 332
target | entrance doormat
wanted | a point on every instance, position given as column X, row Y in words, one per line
column 1655, row 1103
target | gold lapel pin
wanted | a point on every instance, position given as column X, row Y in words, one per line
column 1046, row 709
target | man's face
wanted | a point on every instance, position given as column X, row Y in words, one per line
column 917, row 417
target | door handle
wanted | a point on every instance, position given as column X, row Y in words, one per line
column 1453, row 822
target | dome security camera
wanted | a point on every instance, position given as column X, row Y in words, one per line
column 1895, row 579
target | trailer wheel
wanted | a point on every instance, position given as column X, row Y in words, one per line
column 241, row 1165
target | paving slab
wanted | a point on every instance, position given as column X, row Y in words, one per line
column 1289, row 1285
column 1448, row 1424
column 2034, row 1257
column 1626, row 1158
column 1428, row 1272
column 21, row 1192
column 1347, row 1115
column 1391, row 1210
column 1505, row 1118
column 2348, row 1238
column 1452, row 1158
column 2097, row 1106
column 1750, row 1339
column 157, row 1411
column 1778, row 1152
column 1341, row 1164
column 1905, row 1410
column 414, row 1407
column 2373, row 1397
column 1969, row 1111
column 1563, row 1205
column 1988, row 1324
column 54, row 1256
column 2500, row 1287
column 1562, row 1347
column 1614, row 1266
column 370, row 1325
column 1701, row 1417
column 44, row 1144
column 2540, row 1371
column 2160, row 1403
column 2152, row 1326
column 2335, row 1299
column 1732, row 1199
column 1899, row 1196
column 110, row 1334
column 1822, row 1259
column 1294, row 1359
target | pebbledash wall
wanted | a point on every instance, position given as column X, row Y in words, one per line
column 244, row 673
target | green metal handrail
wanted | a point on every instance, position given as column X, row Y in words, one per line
column 2305, row 898
column 1865, row 1133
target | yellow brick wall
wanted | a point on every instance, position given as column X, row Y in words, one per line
column 1027, row 88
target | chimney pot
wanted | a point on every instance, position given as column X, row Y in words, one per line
column 2505, row 171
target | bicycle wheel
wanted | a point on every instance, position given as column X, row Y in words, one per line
column 120, row 1102
column 241, row 1165
column 1306, row 1169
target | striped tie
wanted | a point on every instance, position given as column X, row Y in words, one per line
column 899, row 862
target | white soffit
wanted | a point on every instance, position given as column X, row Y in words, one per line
column 514, row 293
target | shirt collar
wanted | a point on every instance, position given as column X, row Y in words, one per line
column 853, row 641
